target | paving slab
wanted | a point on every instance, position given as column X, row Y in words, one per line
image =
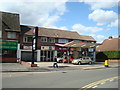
column 48, row 66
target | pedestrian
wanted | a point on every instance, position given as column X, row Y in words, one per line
column 55, row 62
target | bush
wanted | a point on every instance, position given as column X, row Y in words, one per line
column 102, row 55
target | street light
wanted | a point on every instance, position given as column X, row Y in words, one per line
column 34, row 42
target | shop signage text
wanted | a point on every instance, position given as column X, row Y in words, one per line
column 47, row 48
column 61, row 48
column 8, row 44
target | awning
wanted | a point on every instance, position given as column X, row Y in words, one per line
column 78, row 44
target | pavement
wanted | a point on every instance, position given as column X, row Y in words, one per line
column 48, row 67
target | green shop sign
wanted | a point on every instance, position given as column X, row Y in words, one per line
column 8, row 44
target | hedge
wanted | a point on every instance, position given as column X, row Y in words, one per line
column 107, row 55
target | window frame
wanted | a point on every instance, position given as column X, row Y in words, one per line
column 42, row 40
column 51, row 40
column 11, row 35
column 25, row 39
column 62, row 40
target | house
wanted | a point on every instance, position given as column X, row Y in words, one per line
column 110, row 44
column 9, row 36
column 109, row 49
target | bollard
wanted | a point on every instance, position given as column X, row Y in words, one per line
column 106, row 63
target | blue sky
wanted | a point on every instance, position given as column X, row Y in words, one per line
column 98, row 19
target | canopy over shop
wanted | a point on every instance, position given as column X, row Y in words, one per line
column 79, row 49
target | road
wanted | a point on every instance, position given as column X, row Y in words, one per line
column 60, row 79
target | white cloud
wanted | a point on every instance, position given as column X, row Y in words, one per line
column 99, row 38
column 55, row 27
column 101, row 4
column 103, row 17
column 82, row 29
column 36, row 13
column 113, row 24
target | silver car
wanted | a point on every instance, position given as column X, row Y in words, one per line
column 82, row 60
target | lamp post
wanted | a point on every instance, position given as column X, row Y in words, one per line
column 34, row 43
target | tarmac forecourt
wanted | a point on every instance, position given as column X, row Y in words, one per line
column 92, row 85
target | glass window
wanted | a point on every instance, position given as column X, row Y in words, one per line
column 62, row 41
column 51, row 40
column 11, row 35
column 27, row 39
column 0, row 34
column 43, row 39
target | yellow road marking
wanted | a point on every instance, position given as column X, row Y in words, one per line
column 98, row 82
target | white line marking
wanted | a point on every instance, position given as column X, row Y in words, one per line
column 111, row 80
column 94, row 86
column 10, row 75
column 102, row 83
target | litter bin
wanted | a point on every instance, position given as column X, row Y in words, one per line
column 106, row 63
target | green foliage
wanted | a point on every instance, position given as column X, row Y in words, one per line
column 108, row 54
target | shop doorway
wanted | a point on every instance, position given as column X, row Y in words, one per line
column 47, row 56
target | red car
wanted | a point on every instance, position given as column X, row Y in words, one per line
column 65, row 60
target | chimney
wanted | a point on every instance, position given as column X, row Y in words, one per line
column 110, row 37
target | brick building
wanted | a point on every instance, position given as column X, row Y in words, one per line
column 16, row 41
column 51, row 43
column 9, row 36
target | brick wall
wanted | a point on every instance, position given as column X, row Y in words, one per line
column 8, row 60
column 114, row 60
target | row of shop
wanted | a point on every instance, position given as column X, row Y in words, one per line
column 16, row 41
column 11, row 49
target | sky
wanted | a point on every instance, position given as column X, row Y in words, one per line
column 95, row 18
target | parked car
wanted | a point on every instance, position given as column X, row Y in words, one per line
column 59, row 59
column 66, row 60
column 82, row 60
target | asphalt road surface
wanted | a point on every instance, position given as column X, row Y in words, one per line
column 65, row 79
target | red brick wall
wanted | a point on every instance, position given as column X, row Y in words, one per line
column 8, row 60
column 115, row 60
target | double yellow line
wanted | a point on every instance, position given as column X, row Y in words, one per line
column 98, row 82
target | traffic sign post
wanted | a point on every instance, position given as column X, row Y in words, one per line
column 34, row 42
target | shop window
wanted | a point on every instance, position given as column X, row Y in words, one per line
column 7, row 53
column 27, row 39
column 51, row 40
column 11, row 35
column 43, row 39
column 62, row 41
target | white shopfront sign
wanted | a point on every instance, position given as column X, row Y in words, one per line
column 27, row 47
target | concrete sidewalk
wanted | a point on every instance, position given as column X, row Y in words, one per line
column 47, row 67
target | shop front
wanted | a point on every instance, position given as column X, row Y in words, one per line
column 47, row 53
column 8, row 50
column 78, row 49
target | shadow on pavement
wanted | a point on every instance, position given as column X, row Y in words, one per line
column 58, row 66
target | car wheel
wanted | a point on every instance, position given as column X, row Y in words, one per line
column 79, row 63
column 90, row 62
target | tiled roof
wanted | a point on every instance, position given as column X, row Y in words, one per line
column 11, row 21
column 89, row 38
column 109, row 45
column 48, row 32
